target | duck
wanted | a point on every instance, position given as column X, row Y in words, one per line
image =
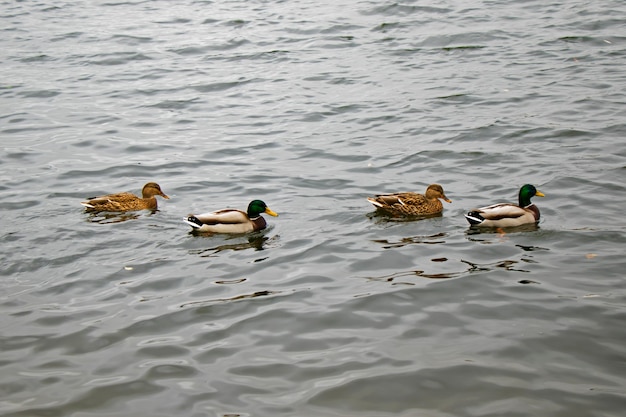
column 412, row 204
column 231, row 220
column 508, row 214
column 126, row 201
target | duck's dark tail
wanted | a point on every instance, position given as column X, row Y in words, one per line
column 474, row 218
column 193, row 221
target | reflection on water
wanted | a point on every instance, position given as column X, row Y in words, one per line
column 109, row 218
column 255, row 241
column 382, row 216
column 530, row 248
column 394, row 277
column 230, row 281
column 229, row 299
column 429, row 240
column 501, row 231
column 507, row 265
column 471, row 268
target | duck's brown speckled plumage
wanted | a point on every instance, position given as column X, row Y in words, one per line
column 126, row 201
column 412, row 204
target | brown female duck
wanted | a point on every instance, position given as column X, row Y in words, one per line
column 126, row 201
column 412, row 204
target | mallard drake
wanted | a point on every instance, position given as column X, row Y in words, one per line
column 231, row 220
column 126, row 201
column 508, row 214
column 412, row 204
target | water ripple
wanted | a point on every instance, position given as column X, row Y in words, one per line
column 312, row 107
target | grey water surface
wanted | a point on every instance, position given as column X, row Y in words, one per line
column 312, row 106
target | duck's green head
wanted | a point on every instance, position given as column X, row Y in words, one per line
column 257, row 207
column 526, row 193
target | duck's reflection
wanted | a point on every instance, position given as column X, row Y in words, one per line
column 385, row 217
column 531, row 248
column 473, row 232
column 412, row 240
column 111, row 217
column 472, row 267
column 255, row 294
column 256, row 241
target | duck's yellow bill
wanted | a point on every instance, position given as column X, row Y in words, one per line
column 270, row 212
column 540, row 194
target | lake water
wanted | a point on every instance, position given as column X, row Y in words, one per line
column 312, row 107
